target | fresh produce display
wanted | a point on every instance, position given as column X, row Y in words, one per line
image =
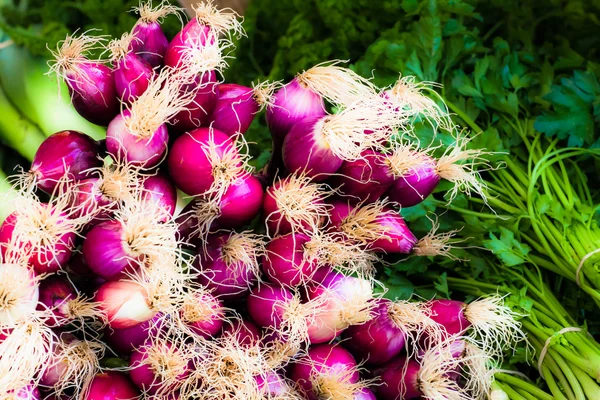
column 386, row 238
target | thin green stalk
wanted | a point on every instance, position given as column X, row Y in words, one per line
column 17, row 131
column 526, row 386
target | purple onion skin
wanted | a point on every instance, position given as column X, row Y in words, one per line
column 94, row 94
column 159, row 190
column 266, row 304
column 322, row 359
column 64, row 151
column 450, row 314
column 365, row 179
column 143, row 152
column 55, row 293
column 398, row 239
column 112, row 386
column 192, row 34
column 284, row 263
column 45, row 260
column 234, row 110
column 218, row 277
column 245, row 331
column 189, row 167
column 214, row 323
column 143, row 376
column 104, row 251
column 378, row 340
column 132, row 76
column 151, row 44
column 124, row 341
column 292, row 103
column 305, row 152
column 399, row 380
column 199, row 110
column 29, row 392
column 416, row 186
column 241, row 202
column 88, row 199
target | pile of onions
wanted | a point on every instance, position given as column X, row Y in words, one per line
column 210, row 280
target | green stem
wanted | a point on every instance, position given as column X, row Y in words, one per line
column 526, row 386
column 17, row 131
column 462, row 115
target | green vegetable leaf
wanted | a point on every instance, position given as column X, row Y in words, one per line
column 507, row 248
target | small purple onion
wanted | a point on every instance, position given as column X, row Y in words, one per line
column 193, row 33
column 159, row 190
column 411, row 189
column 65, row 151
column 450, row 314
column 203, row 314
column 55, row 295
column 273, row 385
column 376, row 341
column 291, row 104
column 140, row 150
column 151, row 44
column 45, row 258
column 189, row 166
column 305, row 151
column 93, row 92
column 234, row 110
column 124, row 341
column 287, row 261
column 145, row 376
column 29, row 392
column 320, row 373
column 132, row 76
column 399, row 380
column 364, row 179
column 106, row 251
column 197, row 113
column 222, row 272
column 266, row 305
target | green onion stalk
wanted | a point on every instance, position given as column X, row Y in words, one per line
column 507, row 386
column 546, row 201
column 567, row 357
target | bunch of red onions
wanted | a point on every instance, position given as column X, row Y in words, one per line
column 246, row 291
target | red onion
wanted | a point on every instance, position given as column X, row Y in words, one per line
column 58, row 296
column 107, row 250
column 244, row 331
column 267, row 305
column 203, row 159
column 112, row 386
column 376, row 225
column 342, row 301
column 132, row 73
column 198, row 111
column 419, row 174
column 295, row 204
column 64, row 154
column 151, row 43
column 327, row 371
column 19, row 293
column 287, row 261
column 229, row 264
column 492, row 322
column 203, row 314
column 159, row 367
column 377, row 341
column 123, row 341
column 318, row 146
column 430, row 378
column 273, row 385
column 73, row 365
column 234, row 110
column 159, row 190
column 303, row 96
column 124, row 304
column 234, row 208
column 91, row 84
column 365, row 179
column 40, row 232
